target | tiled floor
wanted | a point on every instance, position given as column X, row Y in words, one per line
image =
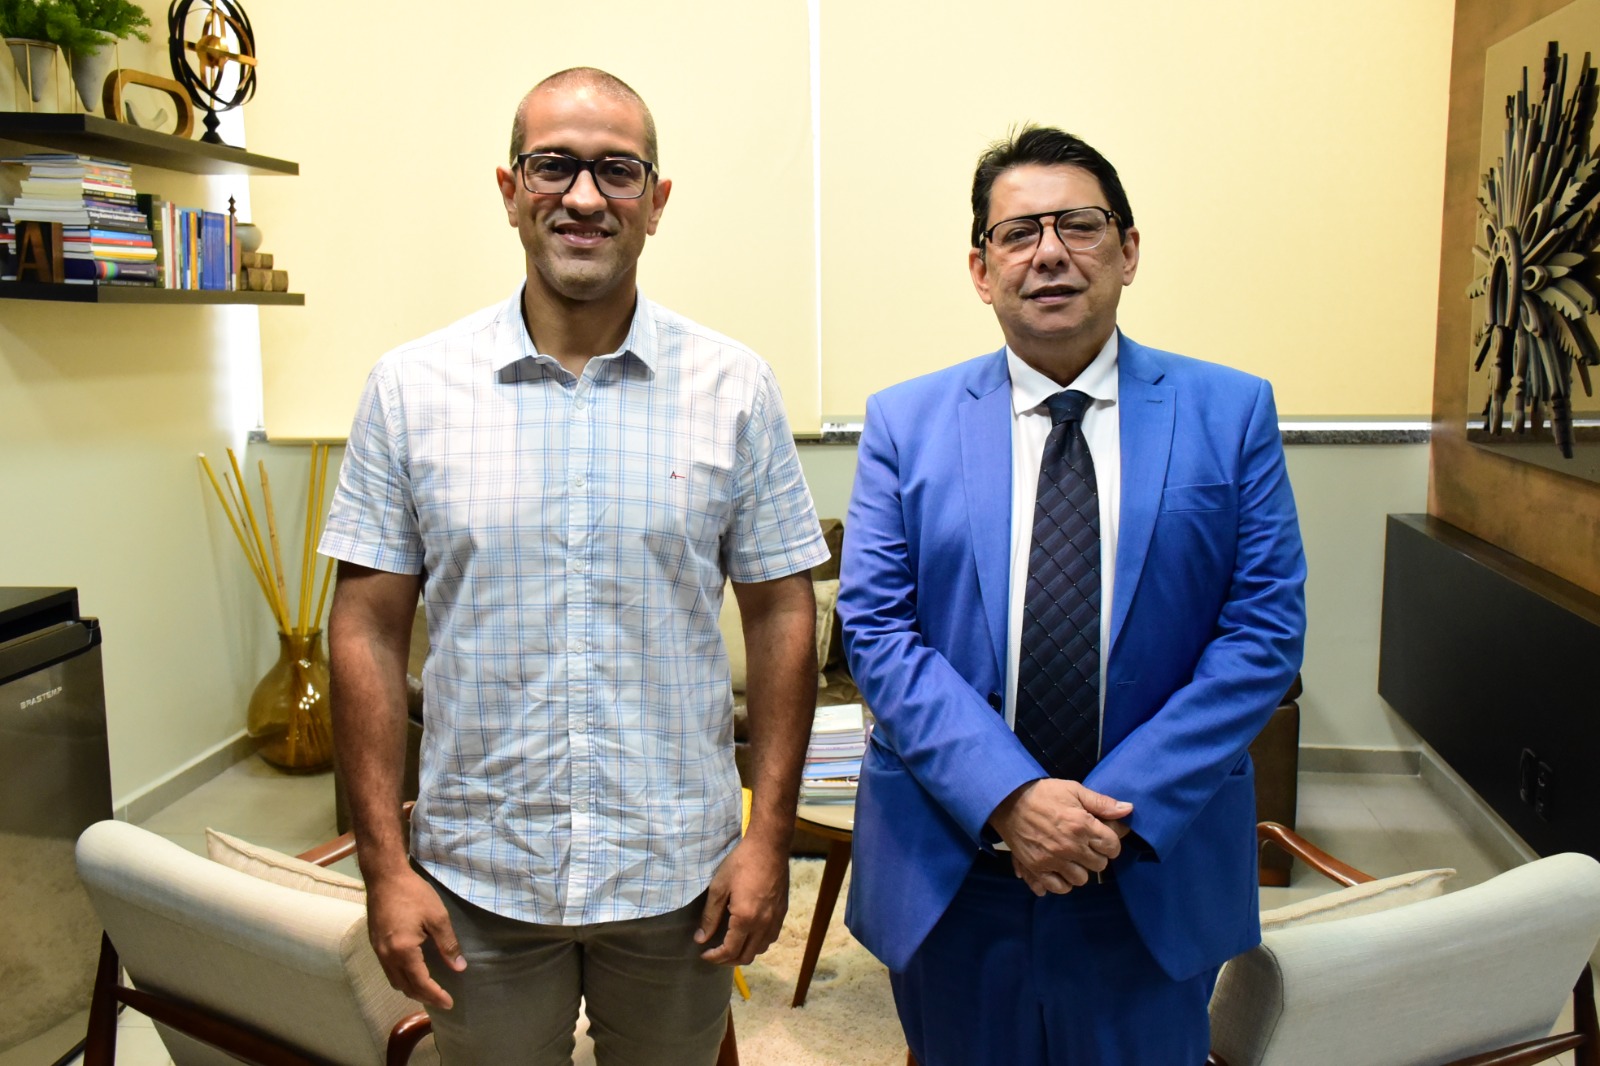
column 1383, row 824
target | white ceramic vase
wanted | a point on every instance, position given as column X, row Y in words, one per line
column 36, row 67
column 249, row 236
column 89, row 74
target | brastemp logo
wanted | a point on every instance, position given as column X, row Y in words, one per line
column 40, row 698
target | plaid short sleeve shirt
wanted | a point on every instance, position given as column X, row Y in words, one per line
column 577, row 758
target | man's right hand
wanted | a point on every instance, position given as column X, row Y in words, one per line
column 1059, row 832
column 403, row 913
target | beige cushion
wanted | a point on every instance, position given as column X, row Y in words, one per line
column 281, row 869
column 827, row 594
column 827, row 598
column 1367, row 898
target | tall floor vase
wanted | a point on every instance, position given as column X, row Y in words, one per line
column 289, row 710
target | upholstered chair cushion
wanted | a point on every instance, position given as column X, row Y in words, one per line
column 1368, row 897
column 281, row 869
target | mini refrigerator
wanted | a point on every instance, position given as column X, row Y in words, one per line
column 55, row 779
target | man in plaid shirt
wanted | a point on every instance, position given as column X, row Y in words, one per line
column 568, row 478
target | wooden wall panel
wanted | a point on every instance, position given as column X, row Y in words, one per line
column 1549, row 519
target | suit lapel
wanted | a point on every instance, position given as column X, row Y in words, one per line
column 1147, row 418
column 986, row 476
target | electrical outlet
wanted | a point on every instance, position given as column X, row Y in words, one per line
column 1543, row 790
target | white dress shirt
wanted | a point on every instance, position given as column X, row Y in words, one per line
column 1030, row 428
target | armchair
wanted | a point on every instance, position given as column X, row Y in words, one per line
column 231, row 967
column 235, row 968
column 1477, row 977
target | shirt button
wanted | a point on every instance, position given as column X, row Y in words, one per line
column 577, row 646
column 579, row 405
column 579, row 726
column 577, row 482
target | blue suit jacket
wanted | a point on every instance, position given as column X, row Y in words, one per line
column 1206, row 637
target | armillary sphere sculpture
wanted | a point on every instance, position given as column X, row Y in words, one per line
column 200, row 61
column 1540, row 224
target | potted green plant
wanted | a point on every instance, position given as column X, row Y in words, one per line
column 33, row 31
column 101, row 23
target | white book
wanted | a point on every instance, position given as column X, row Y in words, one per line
column 844, row 718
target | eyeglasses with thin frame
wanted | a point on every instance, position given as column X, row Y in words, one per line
column 618, row 177
column 1080, row 229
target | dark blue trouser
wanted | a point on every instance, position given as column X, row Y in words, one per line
column 1010, row 979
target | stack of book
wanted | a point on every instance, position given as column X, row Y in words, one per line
column 833, row 757
column 105, row 237
column 197, row 249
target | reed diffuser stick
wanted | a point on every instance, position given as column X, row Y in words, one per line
column 322, row 597
column 272, row 530
column 249, row 558
column 266, row 565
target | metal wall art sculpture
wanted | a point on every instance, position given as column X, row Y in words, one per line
column 1539, row 231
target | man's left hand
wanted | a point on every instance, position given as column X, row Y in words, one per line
column 751, row 890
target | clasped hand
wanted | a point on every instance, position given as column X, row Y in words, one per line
column 1060, row 833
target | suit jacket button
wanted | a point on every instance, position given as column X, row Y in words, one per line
column 994, row 700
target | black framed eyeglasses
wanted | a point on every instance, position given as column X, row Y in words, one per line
column 618, row 177
column 1080, row 229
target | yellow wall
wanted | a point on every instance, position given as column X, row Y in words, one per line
column 1285, row 162
column 398, row 114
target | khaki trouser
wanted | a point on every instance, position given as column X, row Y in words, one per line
column 650, row 998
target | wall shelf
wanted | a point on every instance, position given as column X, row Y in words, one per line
column 93, row 135
column 142, row 294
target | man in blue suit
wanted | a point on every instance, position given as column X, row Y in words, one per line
column 1072, row 594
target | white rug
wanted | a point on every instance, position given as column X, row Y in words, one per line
column 848, row 1019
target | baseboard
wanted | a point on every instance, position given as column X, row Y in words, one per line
column 1320, row 759
column 1490, row 830
column 185, row 779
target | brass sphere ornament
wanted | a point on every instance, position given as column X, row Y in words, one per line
column 206, row 40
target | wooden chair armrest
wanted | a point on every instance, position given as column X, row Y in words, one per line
column 344, row 845
column 405, row 1036
column 340, row 847
column 1308, row 853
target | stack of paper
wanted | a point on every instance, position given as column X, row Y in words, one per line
column 833, row 758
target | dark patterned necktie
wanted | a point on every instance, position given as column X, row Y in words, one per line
column 1058, row 673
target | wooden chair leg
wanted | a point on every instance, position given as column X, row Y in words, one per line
column 729, row 1054
column 911, row 1060
column 1585, row 1021
column 827, row 895
column 100, row 1043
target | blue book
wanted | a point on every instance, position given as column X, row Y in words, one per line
column 214, row 275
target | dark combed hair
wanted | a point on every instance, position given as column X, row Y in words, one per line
column 1042, row 146
column 596, row 78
